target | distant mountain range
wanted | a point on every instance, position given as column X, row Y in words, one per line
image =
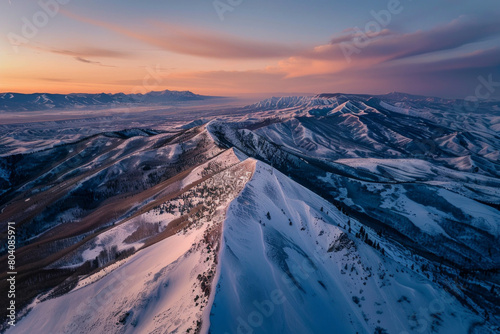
column 406, row 101
column 43, row 101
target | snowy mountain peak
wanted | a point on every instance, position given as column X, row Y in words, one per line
column 293, row 102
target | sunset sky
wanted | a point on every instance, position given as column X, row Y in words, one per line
column 430, row 47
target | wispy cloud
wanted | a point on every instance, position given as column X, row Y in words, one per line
column 91, row 52
column 87, row 61
column 54, row 79
column 447, row 77
column 81, row 51
column 196, row 42
column 457, row 33
column 389, row 46
column 82, row 54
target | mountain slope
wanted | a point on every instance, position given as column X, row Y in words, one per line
column 165, row 286
column 299, row 270
column 270, row 270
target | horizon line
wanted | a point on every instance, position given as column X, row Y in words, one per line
column 278, row 94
